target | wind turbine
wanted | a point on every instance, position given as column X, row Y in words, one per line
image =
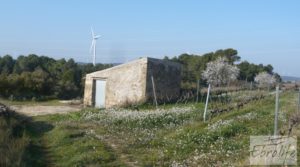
column 93, row 46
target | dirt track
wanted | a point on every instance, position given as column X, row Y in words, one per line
column 44, row 110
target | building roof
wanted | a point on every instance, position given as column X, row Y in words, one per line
column 144, row 59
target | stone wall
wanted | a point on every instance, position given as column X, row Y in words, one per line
column 167, row 79
column 131, row 83
column 125, row 84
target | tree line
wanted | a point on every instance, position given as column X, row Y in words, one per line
column 194, row 65
column 41, row 77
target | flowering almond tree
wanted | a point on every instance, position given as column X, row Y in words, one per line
column 265, row 79
column 220, row 72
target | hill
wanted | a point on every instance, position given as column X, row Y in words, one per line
column 290, row 78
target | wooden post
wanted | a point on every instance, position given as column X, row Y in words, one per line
column 206, row 104
column 198, row 82
column 276, row 111
column 154, row 91
column 251, row 85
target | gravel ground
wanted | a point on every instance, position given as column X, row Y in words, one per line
column 44, row 110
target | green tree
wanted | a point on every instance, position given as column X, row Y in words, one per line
column 248, row 71
column 6, row 64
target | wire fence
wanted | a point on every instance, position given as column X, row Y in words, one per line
column 232, row 96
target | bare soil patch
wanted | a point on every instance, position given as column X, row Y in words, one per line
column 44, row 110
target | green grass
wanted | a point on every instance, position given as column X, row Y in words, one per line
column 169, row 136
column 81, row 150
column 13, row 140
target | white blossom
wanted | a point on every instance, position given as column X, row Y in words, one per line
column 265, row 79
column 220, row 72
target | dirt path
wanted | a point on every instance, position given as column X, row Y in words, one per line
column 44, row 110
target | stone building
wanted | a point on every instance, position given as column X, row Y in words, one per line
column 131, row 83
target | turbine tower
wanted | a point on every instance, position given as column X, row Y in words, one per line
column 93, row 46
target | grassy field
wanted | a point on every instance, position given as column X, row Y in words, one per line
column 174, row 135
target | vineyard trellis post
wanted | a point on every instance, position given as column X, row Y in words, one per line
column 276, row 111
column 154, row 91
column 206, row 104
column 198, row 82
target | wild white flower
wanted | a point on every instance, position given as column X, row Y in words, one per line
column 153, row 119
column 177, row 164
column 223, row 123
column 220, row 72
column 219, row 124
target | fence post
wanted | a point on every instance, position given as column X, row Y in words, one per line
column 206, row 104
column 299, row 101
column 154, row 91
column 276, row 111
column 197, row 100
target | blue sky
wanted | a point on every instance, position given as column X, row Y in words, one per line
column 265, row 31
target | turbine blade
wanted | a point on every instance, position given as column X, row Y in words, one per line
column 92, row 32
column 92, row 45
column 97, row 36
